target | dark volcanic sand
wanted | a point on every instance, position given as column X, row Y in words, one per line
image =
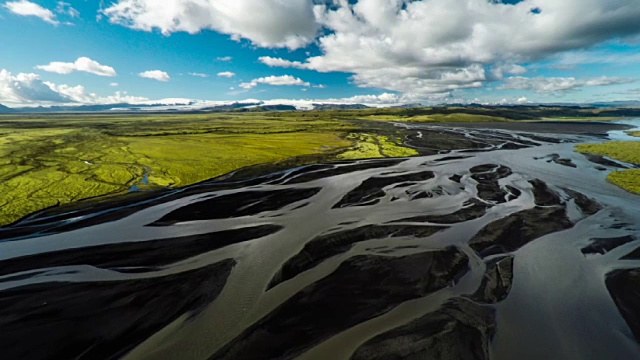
column 545, row 127
column 498, row 243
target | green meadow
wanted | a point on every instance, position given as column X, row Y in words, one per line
column 627, row 151
column 55, row 159
column 52, row 160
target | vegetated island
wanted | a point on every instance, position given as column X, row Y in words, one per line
column 625, row 151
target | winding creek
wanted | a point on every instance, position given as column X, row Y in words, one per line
column 507, row 245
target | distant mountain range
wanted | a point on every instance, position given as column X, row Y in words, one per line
column 230, row 107
column 79, row 108
column 193, row 106
column 339, row 106
column 618, row 104
column 185, row 106
column 5, row 110
column 277, row 107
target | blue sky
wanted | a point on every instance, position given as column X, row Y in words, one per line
column 328, row 56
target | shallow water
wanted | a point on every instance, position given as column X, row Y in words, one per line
column 143, row 182
column 623, row 135
column 558, row 305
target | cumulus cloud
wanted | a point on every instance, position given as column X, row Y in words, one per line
column 422, row 49
column 155, row 75
column 266, row 23
column 29, row 89
column 83, row 64
column 383, row 99
column 227, row 74
column 426, row 49
column 559, row 84
column 499, row 71
column 78, row 94
column 279, row 62
column 284, row 80
column 27, row 8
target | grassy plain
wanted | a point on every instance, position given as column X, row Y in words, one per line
column 627, row 151
column 49, row 160
column 371, row 146
column 53, row 159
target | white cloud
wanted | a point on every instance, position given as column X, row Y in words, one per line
column 427, row 49
column 305, row 104
column 383, row 99
column 225, row 58
column 279, row 62
column 559, row 84
column 499, row 71
column 422, row 49
column 155, row 75
column 83, row 64
column 227, row 74
column 284, row 80
column 199, row 75
column 266, row 23
column 27, row 8
column 29, row 89
column 66, row 9
column 78, row 94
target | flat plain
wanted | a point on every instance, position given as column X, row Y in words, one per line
column 53, row 160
